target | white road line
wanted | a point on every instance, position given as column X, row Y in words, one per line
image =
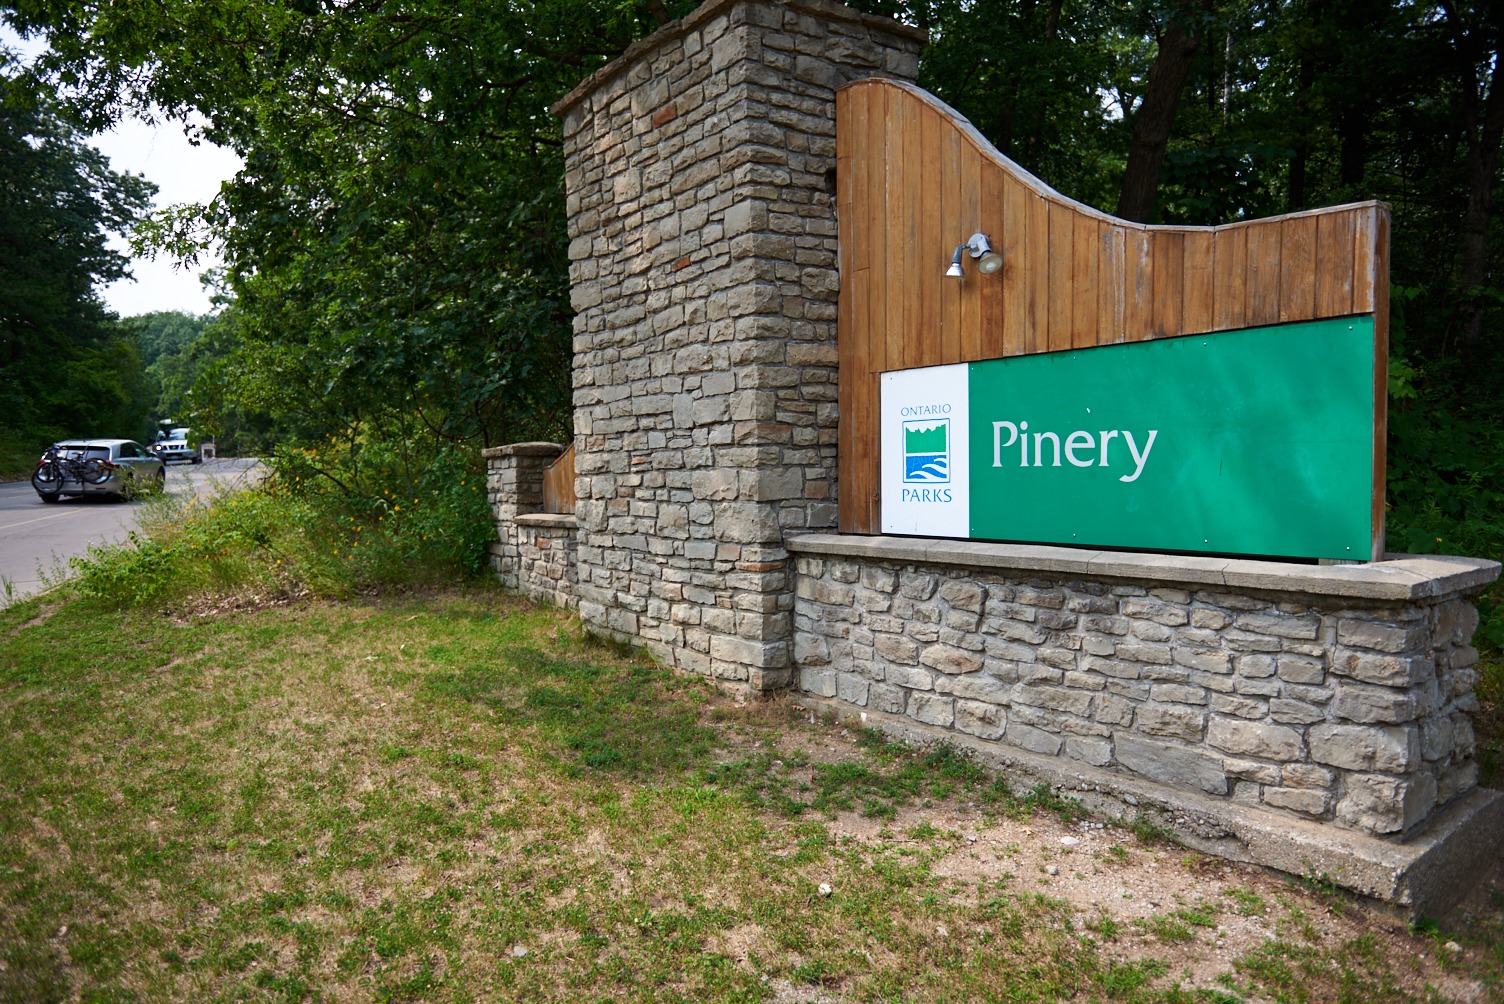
column 39, row 519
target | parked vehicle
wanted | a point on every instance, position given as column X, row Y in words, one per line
column 118, row 467
column 170, row 450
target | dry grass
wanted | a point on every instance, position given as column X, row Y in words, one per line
column 459, row 797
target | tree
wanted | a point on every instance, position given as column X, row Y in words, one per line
column 396, row 238
column 1477, row 35
column 1176, row 48
column 66, row 368
column 168, row 343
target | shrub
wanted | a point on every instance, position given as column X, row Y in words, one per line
column 318, row 524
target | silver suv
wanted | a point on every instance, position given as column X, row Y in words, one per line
column 175, row 449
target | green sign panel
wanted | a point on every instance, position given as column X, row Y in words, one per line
column 1249, row 442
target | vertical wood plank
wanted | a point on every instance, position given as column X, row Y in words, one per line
column 970, row 170
column 902, row 218
column 1037, row 249
column 929, row 267
column 893, row 265
column 951, row 224
column 1230, row 279
column 874, row 289
column 995, row 224
column 1138, row 286
column 1334, row 264
column 1061, row 261
column 1263, row 273
column 1365, row 259
column 1111, row 283
column 852, row 305
column 1016, row 267
column 1086, row 253
column 1168, row 249
column 1197, row 303
column 1297, row 279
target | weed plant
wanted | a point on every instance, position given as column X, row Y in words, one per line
column 302, row 531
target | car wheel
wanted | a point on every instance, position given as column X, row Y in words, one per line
column 49, row 497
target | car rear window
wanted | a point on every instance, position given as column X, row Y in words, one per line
column 78, row 451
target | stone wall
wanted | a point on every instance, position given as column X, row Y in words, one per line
column 1271, row 706
column 536, row 552
column 699, row 171
column 1335, row 694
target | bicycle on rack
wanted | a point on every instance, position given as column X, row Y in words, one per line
column 56, row 469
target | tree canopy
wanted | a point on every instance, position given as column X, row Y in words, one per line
column 65, row 366
column 396, row 240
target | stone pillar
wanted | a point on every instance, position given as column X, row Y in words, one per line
column 700, row 171
column 514, row 484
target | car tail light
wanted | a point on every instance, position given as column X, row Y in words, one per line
column 110, row 465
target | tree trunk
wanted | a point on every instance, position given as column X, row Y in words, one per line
column 1305, row 78
column 1352, row 133
column 1485, row 130
column 659, row 12
column 1152, row 122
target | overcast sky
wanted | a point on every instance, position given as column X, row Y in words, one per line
column 182, row 172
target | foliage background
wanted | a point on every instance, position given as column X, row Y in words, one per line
column 396, row 278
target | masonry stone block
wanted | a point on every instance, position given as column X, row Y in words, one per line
column 1380, row 636
column 817, row 680
column 1180, row 766
column 1179, row 721
column 1089, row 750
column 852, row 689
column 1387, row 670
column 976, row 687
column 1065, row 699
column 1268, row 742
column 980, row 719
column 1357, row 702
column 1394, row 749
column 1033, row 739
column 932, row 709
column 951, row 660
column 1307, row 801
column 1382, row 804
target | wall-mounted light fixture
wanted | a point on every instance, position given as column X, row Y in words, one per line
column 980, row 248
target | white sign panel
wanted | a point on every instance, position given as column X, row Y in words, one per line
column 926, row 452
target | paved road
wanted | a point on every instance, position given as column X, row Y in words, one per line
column 37, row 539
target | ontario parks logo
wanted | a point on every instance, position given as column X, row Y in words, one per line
column 926, row 451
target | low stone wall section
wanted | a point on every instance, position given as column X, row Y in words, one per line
column 536, row 553
column 542, row 559
column 1334, row 694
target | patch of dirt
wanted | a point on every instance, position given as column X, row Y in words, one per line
column 43, row 615
column 1140, row 891
column 187, row 610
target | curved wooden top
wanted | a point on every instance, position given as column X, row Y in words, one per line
column 915, row 178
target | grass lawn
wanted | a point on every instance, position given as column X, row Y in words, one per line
column 457, row 797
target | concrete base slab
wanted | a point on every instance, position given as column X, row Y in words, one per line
column 1424, row 874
